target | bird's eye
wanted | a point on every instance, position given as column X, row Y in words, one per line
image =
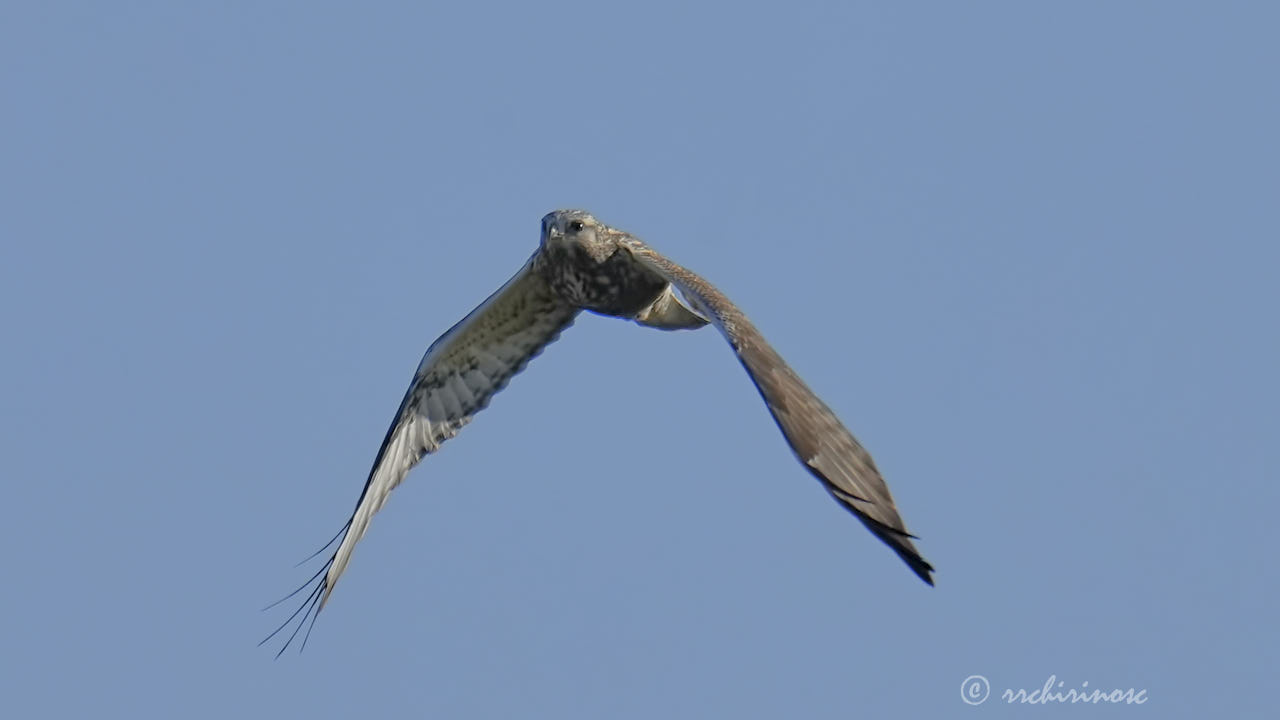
column 575, row 226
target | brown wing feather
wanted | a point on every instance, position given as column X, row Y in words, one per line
column 817, row 437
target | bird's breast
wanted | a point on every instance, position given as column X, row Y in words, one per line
column 618, row 286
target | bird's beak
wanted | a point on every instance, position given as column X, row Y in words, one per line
column 548, row 232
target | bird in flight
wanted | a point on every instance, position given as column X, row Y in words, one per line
column 583, row 264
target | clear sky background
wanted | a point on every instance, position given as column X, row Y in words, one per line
column 1027, row 251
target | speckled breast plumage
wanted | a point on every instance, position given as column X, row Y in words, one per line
column 619, row 286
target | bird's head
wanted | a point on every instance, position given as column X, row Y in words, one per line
column 579, row 232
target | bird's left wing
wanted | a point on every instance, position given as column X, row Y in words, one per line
column 816, row 436
column 460, row 373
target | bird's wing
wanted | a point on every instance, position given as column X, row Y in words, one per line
column 668, row 312
column 458, row 375
column 815, row 434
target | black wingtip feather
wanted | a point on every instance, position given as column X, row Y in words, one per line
column 309, row 609
column 897, row 540
column 911, row 557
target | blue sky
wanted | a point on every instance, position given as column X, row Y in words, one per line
column 1027, row 252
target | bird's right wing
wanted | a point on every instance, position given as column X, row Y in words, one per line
column 460, row 373
column 816, row 436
